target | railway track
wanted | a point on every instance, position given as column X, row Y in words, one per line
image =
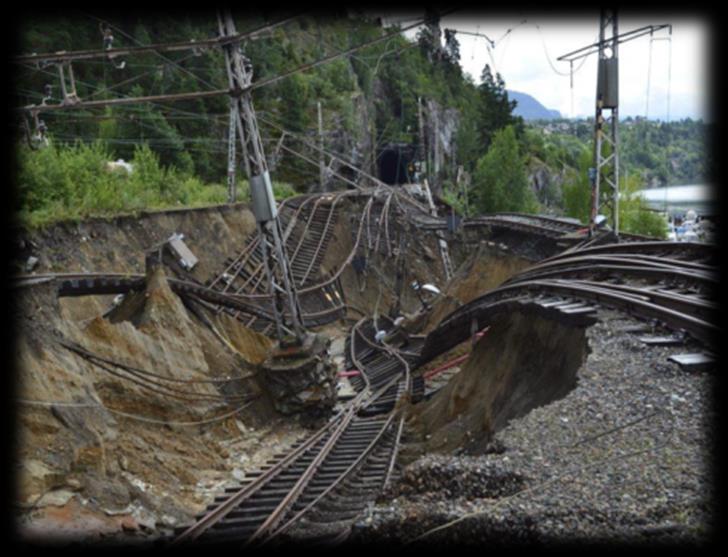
column 86, row 284
column 685, row 307
column 380, row 364
column 308, row 223
column 544, row 226
column 697, row 278
column 317, row 489
column 685, row 251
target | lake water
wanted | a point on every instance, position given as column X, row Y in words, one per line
column 701, row 198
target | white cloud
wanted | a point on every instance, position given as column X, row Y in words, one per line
column 678, row 69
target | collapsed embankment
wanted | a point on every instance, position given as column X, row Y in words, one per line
column 524, row 361
column 131, row 424
column 486, row 266
column 139, row 437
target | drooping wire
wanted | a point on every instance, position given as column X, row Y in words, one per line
column 649, row 72
column 669, row 72
column 159, row 54
column 548, row 57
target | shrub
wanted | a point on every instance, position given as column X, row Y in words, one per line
column 65, row 182
column 634, row 216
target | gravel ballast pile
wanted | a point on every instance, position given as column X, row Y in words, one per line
column 625, row 456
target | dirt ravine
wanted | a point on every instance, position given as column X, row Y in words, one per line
column 108, row 451
column 102, row 452
column 523, row 362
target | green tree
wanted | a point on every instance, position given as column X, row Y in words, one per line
column 577, row 189
column 500, row 182
column 495, row 110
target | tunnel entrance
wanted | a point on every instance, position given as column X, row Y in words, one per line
column 394, row 162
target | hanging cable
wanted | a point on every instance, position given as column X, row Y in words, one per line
column 649, row 73
column 571, row 85
column 548, row 56
column 477, row 31
column 168, row 60
column 669, row 72
column 667, row 116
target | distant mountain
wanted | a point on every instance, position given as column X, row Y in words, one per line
column 530, row 109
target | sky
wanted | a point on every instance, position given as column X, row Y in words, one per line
column 526, row 59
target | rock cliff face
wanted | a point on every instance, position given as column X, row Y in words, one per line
column 360, row 143
column 441, row 125
column 546, row 183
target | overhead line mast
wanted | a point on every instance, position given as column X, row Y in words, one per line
column 606, row 137
column 286, row 308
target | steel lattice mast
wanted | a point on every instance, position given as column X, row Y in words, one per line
column 606, row 136
column 605, row 173
column 286, row 308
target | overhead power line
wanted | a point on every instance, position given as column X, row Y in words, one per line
column 218, row 92
column 63, row 56
column 624, row 37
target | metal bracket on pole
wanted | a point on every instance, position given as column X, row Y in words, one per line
column 69, row 95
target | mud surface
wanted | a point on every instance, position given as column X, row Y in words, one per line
column 105, row 453
column 486, row 267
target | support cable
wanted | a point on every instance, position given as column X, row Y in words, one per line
column 221, row 92
column 649, row 73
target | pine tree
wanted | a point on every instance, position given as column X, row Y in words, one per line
column 494, row 108
column 452, row 47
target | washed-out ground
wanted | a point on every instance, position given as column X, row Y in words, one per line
column 624, row 457
column 100, row 457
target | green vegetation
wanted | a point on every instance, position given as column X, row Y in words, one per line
column 179, row 150
column 74, row 182
column 577, row 189
column 500, row 182
column 634, row 216
column 660, row 153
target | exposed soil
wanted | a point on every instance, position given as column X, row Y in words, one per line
column 547, row 432
column 524, row 361
column 93, row 437
column 100, row 456
column 487, row 266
